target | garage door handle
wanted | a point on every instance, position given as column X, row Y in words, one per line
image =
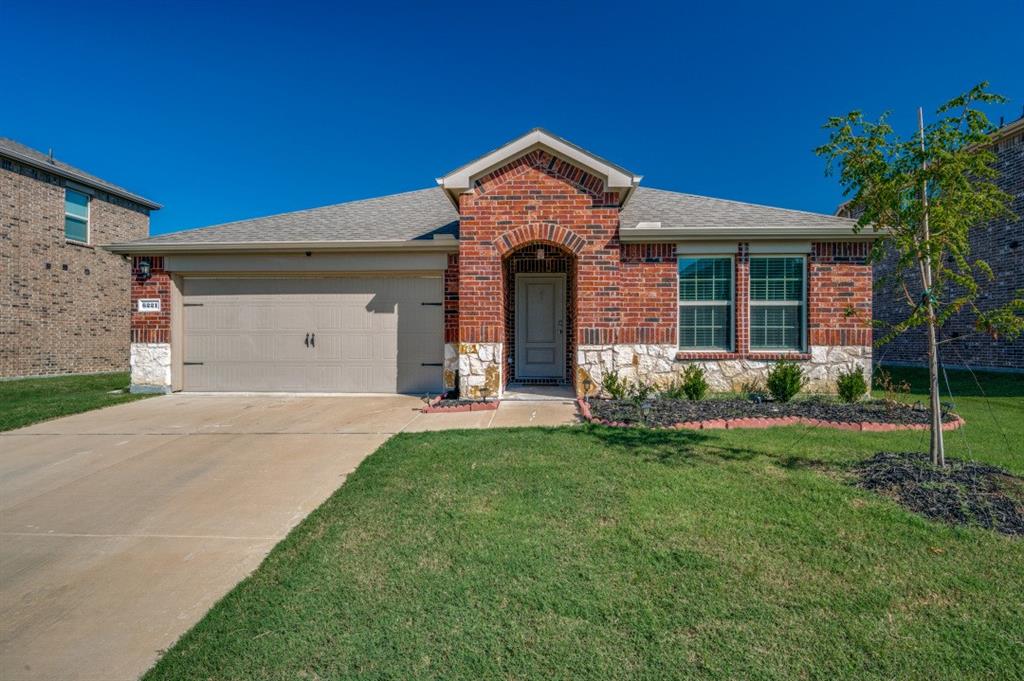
column 307, row 340
column 430, row 364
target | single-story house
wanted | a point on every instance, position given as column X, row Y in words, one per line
column 538, row 262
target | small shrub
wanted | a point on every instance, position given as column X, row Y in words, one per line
column 616, row 388
column 692, row 385
column 892, row 390
column 785, row 380
column 851, row 385
column 640, row 391
column 674, row 390
column 753, row 389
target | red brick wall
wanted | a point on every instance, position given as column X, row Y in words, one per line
column 151, row 327
column 647, row 309
column 540, row 199
column 839, row 294
column 451, row 300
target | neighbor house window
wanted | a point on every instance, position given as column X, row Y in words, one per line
column 76, row 216
column 705, row 303
column 777, row 302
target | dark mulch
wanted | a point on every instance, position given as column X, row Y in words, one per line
column 457, row 402
column 666, row 412
column 962, row 493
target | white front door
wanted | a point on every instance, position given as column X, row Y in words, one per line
column 540, row 326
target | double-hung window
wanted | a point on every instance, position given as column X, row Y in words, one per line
column 76, row 216
column 777, row 302
column 705, row 303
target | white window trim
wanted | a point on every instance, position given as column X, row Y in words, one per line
column 751, row 303
column 731, row 302
column 88, row 216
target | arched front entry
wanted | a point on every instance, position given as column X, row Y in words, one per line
column 540, row 311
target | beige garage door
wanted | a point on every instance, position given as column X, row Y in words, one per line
column 343, row 334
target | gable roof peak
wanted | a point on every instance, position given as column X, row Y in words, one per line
column 616, row 178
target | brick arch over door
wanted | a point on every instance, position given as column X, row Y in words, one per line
column 545, row 233
column 523, row 260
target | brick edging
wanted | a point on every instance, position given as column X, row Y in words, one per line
column 731, row 424
column 431, row 407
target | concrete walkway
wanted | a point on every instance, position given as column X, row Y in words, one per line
column 119, row 528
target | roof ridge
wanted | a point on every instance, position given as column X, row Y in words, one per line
column 746, row 203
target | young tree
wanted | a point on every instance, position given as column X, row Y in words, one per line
column 922, row 195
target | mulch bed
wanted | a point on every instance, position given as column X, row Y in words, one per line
column 962, row 493
column 737, row 413
column 445, row 405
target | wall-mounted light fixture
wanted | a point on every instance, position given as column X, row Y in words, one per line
column 145, row 268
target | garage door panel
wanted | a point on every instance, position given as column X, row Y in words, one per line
column 372, row 334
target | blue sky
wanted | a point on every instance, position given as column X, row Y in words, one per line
column 234, row 110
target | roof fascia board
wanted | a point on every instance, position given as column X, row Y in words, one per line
column 78, row 177
column 156, row 248
column 667, row 234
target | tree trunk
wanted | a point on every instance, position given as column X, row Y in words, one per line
column 937, row 446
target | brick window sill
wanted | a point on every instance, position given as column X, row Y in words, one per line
column 757, row 356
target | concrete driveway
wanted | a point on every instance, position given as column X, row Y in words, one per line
column 119, row 528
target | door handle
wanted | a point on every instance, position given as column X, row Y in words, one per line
column 312, row 339
column 307, row 340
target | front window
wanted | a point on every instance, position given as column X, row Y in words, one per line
column 777, row 305
column 705, row 303
column 76, row 216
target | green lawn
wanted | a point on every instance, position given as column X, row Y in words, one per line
column 30, row 400
column 600, row 553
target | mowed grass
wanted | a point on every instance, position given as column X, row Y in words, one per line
column 25, row 401
column 597, row 553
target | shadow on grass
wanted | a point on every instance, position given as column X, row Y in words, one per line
column 963, row 383
column 691, row 447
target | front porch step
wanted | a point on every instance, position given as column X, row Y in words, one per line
column 522, row 392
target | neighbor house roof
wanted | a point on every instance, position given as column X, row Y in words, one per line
column 37, row 159
column 426, row 219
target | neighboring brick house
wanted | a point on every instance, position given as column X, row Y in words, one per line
column 1001, row 245
column 538, row 262
column 64, row 303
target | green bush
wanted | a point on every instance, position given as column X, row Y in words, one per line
column 851, row 385
column 674, row 390
column 640, row 391
column 692, row 385
column 616, row 388
column 695, row 384
column 785, row 380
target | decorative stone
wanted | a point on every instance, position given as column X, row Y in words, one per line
column 656, row 364
column 151, row 367
column 480, row 370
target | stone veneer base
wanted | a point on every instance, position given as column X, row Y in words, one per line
column 658, row 365
column 732, row 424
column 480, row 370
column 151, row 367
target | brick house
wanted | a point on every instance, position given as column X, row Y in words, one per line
column 64, row 303
column 1001, row 245
column 537, row 262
